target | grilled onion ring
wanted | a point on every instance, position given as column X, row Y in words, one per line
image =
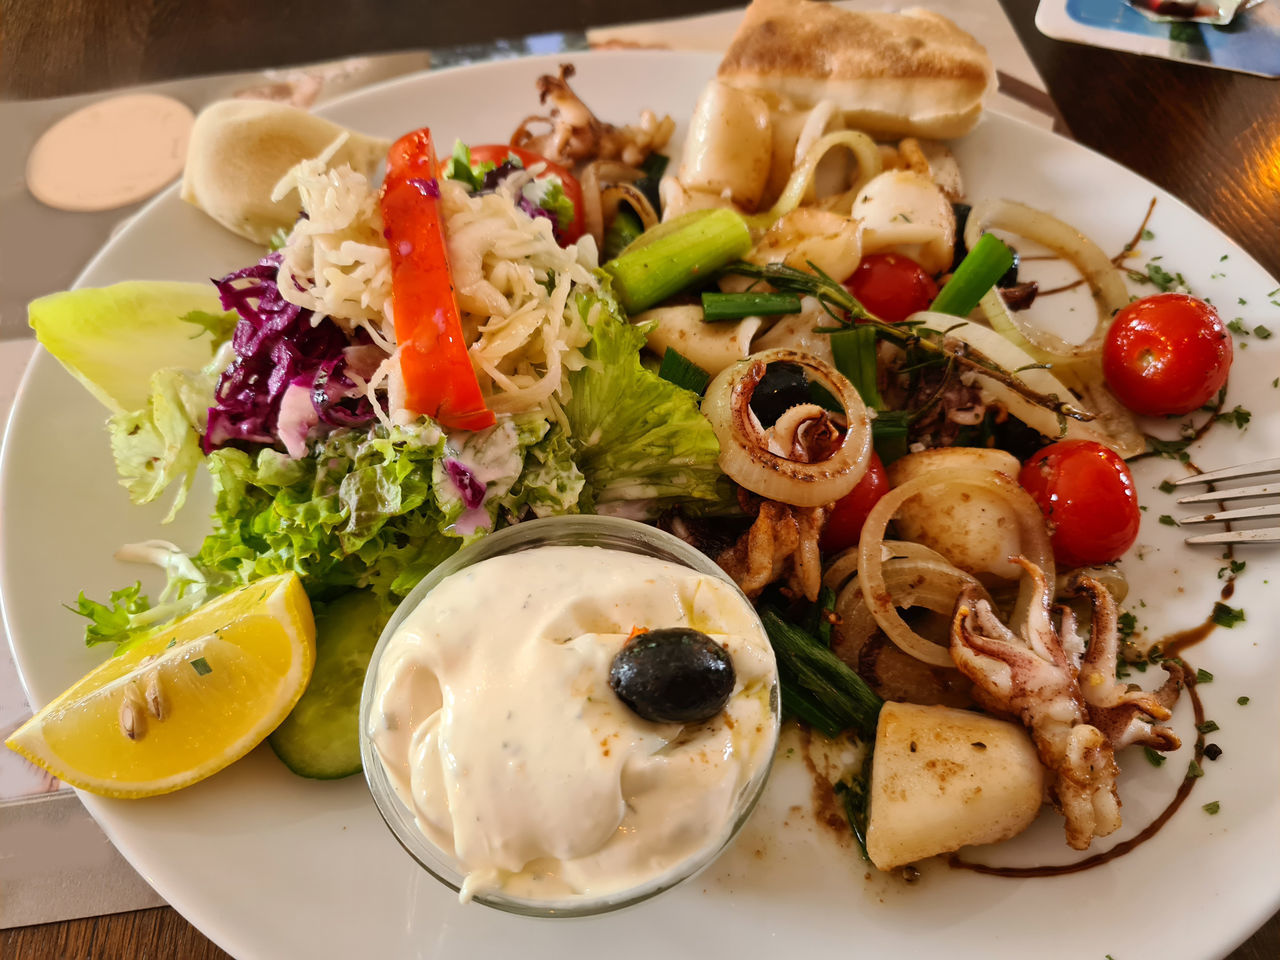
column 744, row 453
column 916, row 577
column 1105, row 282
column 871, row 577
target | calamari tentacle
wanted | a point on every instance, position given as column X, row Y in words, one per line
column 1126, row 715
column 1029, row 673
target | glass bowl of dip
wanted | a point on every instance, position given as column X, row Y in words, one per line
column 671, row 829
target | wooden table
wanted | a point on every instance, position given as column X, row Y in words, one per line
column 1207, row 136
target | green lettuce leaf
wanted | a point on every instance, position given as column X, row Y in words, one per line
column 358, row 512
column 111, row 622
column 159, row 444
column 522, row 466
column 635, row 436
column 555, row 202
column 146, row 350
column 113, row 339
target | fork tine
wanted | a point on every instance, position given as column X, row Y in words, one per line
column 1232, row 473
column 1262, row 535
column 1238, row 493
column 1264, row 512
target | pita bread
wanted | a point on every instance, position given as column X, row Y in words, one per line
column 913, row 73
column 240, row 149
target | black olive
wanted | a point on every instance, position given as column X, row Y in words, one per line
column 961, row 210
column 1010, row 276
column 782, row 387
column 673, row 675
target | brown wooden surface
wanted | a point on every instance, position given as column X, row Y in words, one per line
column 1209, row 137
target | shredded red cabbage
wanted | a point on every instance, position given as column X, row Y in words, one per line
column 277, row 344
column 468, row 485
column 505, row 169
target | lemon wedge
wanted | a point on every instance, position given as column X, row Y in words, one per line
column 179, row 706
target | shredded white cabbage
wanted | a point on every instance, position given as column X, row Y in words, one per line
column 515, row 285
column 336, row 261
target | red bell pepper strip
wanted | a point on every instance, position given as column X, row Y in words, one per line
column 438, row 377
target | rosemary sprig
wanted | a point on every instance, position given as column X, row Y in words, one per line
column 844, row 308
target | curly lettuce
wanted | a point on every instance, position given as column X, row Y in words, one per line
column 635, row 436
column 149, row 351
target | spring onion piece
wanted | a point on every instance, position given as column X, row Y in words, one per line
column 889, row 432
column 854, row 351
column 817, row 622
column 736, row 306
column 678, row 369
column 648, row 273
column 843, row 308
column 654, row 166
column 622, row 232
column 821, row 685
column 978, row 272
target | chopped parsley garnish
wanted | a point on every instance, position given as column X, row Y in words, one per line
column 1127, row 623
column 1147, row 235
column 201, row 666
column 1222, row 258
column 1237, row 327
column 1243, row 701
column 1235, row 568
column 1225, row 616
column 1173, row 449
column 1237, row 415
column 1154, row 758
column 1204, row 676
column 1262, row 333
column 1209, row 726
column 1166, row 486
column 1242, row 301
column 1194, row 770
column 1162, row 279
column 1167, row 520
column 1212, row 808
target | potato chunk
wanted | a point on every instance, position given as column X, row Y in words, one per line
column 942, row 779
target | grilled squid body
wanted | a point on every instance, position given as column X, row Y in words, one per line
column 943, row 779
column 906, row 212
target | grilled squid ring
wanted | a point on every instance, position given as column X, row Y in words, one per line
column 764, row 462
column 871, row 575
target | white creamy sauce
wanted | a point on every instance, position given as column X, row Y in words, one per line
column 494, row 718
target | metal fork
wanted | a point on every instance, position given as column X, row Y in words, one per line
column 1265, row 511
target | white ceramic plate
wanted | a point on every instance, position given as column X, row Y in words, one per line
column 269, row 865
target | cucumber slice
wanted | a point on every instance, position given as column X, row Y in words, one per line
column 320, row 738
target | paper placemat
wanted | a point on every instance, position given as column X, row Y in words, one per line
column 1250, row 43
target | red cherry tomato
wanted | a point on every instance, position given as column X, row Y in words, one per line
column 496, row 153
column 1167, row 354
column 892, row 286
column 1085, row 492
column 844, row 526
